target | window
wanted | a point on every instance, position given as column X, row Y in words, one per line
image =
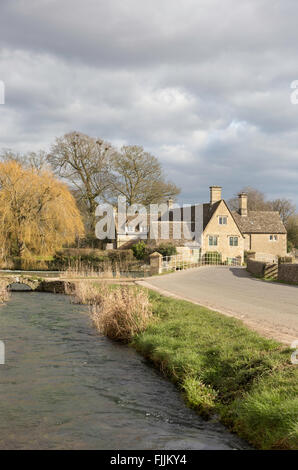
column 213, row 240
column 273, row 238
column 233, row 241
column 222, row 220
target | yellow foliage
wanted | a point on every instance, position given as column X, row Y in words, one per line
column 38, row 214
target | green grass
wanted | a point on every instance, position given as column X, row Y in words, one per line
column 223, row 367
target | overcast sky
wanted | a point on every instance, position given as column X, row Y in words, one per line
column 202, row 84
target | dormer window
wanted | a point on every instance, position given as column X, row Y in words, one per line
column 222, row 220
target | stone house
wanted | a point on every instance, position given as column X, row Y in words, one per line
column 263, row 231
column 227, row 232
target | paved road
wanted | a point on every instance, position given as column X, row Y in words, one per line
column 268, row 307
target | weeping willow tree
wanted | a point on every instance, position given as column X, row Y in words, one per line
column 38, row 214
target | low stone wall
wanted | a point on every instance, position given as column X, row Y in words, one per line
column 262, row 269
column 288, row 272
column 56, row 287
column 256, row 267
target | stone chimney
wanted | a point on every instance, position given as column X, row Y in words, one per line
column 215, row 194
column 243, row 204
column 170, row 203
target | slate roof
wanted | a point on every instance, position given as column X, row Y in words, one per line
column 208, row 211
column 260, row 222
column 254, row 222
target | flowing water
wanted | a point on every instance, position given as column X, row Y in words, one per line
column 63, row 386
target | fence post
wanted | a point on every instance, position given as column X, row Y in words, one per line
column 155, row 263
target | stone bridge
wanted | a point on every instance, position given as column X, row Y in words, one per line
column 7, row 281
column 38, row 284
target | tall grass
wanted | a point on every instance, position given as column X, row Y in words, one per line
column 4, row 294
column 105, row 270
column 83, row 271
column 119, row 312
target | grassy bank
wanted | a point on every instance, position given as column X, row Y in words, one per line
column 221, row 366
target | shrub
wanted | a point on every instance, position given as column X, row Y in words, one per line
column 83, row 257
column 285, row 259
column 139, row 250
column 30, row 263
column 248, row 254
column 166, row 249
column 120, row 256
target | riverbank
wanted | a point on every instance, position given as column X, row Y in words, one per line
column 224, row 369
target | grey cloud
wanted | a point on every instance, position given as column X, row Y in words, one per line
column 203, row 85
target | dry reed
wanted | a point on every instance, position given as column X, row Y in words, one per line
column 117, row 312
column 4, row 294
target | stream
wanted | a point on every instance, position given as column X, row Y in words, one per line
column 63, row 386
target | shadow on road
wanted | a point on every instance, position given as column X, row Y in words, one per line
column 242, row 272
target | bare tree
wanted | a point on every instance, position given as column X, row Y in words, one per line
column 84, row 162
column 285, row 208
column 138, row 176
column 255, row 200
column 33, row 160
column 292, row 229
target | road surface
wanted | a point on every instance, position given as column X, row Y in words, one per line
column 268, row 307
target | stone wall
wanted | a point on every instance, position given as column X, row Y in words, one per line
column 256, row 267
column 263, row 269
column 261, row 243
column 288, row 272
column 56, row 287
